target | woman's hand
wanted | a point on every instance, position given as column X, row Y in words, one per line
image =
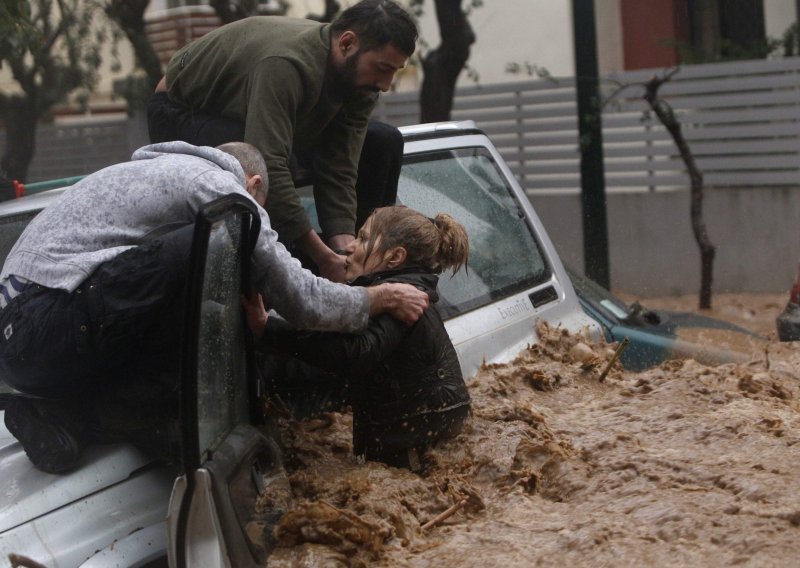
column 254, row 312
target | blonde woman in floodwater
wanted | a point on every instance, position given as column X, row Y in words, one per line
column 404, row 383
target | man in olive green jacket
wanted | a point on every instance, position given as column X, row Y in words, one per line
column 294, row 87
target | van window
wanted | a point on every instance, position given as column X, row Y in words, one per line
column 504, row 255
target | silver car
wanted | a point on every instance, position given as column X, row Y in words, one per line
column 121, row 508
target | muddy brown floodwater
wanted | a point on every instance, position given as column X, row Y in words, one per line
column 683, row 464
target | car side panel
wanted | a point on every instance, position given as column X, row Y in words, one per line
column 141, row 547
column 29, row 493
column 57, row 539
column 497, row 332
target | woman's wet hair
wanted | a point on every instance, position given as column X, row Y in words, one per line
column 377, row 23
column 434, row 244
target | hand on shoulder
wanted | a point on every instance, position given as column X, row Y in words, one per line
column 403, row 301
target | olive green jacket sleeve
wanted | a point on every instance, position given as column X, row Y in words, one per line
column 336, row 167
column 275, row 97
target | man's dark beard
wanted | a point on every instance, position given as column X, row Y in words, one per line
column 343, row 79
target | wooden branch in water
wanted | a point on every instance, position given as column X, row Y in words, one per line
column 444, row 515
column 666, row 116
column 620, row 348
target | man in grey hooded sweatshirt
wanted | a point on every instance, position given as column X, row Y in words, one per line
column 92, row 292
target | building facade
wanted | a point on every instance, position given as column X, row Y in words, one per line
column 510, row 34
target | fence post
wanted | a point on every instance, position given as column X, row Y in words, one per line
column 520, row 135
column 648, row 130
column 593, row 197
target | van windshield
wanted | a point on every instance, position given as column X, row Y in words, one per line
column 505, row 257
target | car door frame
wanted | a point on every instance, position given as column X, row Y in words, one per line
column 200, row 491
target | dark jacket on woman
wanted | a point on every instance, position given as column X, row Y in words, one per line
column 399, row 376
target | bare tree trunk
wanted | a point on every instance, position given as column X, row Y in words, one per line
column 20, row 118
column 229, row 11
column 443, row 65
column 332, row 8
column 56, row 52
column 705, row 28
column 667, row 117
column 129, row 15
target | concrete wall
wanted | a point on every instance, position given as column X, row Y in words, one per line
column 608, row 19
column 652, row 247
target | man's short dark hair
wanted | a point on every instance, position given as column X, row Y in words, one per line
column 376, row 23
column 248, row 156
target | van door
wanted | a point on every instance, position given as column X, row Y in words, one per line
column 215, row 517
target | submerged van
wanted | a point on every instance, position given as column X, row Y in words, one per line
column 120, row 508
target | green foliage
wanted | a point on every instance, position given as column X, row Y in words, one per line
column 16, row 29
column 727, row 51
column 789, row 41
column 52, row 48
column 530, row 70
column 786, row 45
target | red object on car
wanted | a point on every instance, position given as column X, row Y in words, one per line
column 794, row 295
column 789, row 320
column 10, row 189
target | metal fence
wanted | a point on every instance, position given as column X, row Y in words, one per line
column 741, row 120
column 64, row 150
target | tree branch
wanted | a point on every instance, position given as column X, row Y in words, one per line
column 233, row 10
column 442, row 65
column 666, row 115
column 332, row 8
column 129, row 16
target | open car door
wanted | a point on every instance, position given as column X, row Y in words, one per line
column 215, row 515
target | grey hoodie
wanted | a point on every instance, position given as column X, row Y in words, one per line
column 165, row 185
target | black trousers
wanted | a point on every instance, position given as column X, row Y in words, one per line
column 108, row 354
column 378, row 166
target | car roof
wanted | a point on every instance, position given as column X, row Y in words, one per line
column 439, row 130
column 28, row 203
column 41, row 198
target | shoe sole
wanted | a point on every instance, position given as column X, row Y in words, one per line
column 49, row 446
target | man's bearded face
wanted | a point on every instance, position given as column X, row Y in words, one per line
column 346, row 77
column 364, row 73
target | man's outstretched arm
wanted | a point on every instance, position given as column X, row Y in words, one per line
column 402, row 301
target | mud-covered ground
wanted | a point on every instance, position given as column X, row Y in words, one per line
column 683, row 464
